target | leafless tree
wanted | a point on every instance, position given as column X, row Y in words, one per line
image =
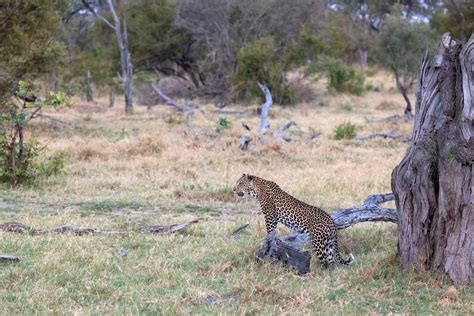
column 223, row 26
column 121, row 34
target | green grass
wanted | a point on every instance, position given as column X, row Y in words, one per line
column 157, row 168
column 204, row 271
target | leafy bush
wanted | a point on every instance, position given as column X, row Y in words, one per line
column 345, row 78
column 345, row 130
column 307, row 47
column 18, row 153
column 342, row 78
column 258, row 61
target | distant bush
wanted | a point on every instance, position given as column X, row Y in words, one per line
column 258, row 61
column 342, row 77
column 345, row 130
column 345, row 78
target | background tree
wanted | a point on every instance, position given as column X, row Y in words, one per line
column 30, row 47
column 456, row 17
column 400, row 47
column 221, row 28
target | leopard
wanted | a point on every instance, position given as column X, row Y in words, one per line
column 278, row 206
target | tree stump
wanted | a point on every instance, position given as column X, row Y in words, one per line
column 433, row 184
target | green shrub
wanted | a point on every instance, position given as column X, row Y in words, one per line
column 19, row 153
column 258, row 61
column 346, row 130
column 341, row 77
column 222, row 124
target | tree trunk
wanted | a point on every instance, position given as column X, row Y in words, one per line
column 363, row 53
column 403, row 87
column 126, row 74
column 433, row 184
column 111, row 99
column 89, row 96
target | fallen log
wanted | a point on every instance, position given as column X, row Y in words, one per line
column 288, row 249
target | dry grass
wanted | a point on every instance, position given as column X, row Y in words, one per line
column 157, row 167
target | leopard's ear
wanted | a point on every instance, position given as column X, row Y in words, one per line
column 250, row 177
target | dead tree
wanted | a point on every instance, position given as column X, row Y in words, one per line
column 126, row 74
column 264, row 125
column 433, row 184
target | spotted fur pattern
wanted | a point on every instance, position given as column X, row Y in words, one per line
column 280, row 207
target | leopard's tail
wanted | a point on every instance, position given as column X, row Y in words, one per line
column 342, row 261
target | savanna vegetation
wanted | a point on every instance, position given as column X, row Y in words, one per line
column 77, row 147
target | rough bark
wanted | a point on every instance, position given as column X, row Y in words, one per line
column 433, row 183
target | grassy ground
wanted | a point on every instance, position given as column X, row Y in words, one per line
column 156, row 167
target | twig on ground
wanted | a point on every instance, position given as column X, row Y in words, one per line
column 389, row 134
column 9, row 258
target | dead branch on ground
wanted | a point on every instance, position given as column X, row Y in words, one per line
column 16, row 227
column 390, row 134
column 189, row 110
column 9, row 258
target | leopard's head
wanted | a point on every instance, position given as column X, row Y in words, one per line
column 244, row 186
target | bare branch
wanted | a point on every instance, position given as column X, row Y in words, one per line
column 244, row 142
column 187, row 109
column 100, row 17
column 264, row 124
column 279, row 132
